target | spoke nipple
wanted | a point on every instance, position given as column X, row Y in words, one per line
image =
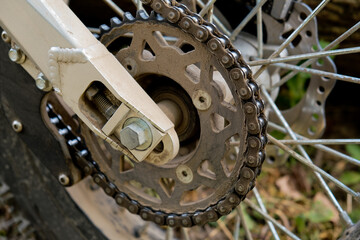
column 17, row 126
column 64, row 179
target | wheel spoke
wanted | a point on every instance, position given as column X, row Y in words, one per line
column 245, row 21
column 331, row 45
column 244, row 224
column 115, row 8
column 316, row 72
column 304, row 56
column 319, row 146
column 323, row 184
column 216, row 20
column 269, row 218
column 263, row 208
column 321, row 141
column 259, row 30
column 315, row 168
column 293, row 35
column 207, row 7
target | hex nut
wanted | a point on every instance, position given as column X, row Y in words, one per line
column 132, row 136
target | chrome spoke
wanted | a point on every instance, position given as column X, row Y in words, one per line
column 297, row 69
column 323, row 184
column 246, row 20
column 269, row 218
column 321, row 141
column 304, row 56
column 216, row 20
column 263, row 208
column 115, row 7
column 259, row 28
column 237, row 227
column 293, row 35
column 320, row 146
column 315, row 168
column 331, row 45
column 207, row 7
column 243, row 222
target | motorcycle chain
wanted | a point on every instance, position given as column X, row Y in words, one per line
column 218, row 44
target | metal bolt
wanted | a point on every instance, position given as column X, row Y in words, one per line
column 210, row 215
column 197, row 219
column 64, row 179
column 185, row 222
column 16, row 55
column 17, row 126
column 232, row 199
column 42, row 83
column 5, row 37
column 136, row 134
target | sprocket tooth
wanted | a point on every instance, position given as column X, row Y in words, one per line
column 142, row 14
column 115, row 22
column 152, row 15
column 97, row 36
column 104, row 29
column 128, row 17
